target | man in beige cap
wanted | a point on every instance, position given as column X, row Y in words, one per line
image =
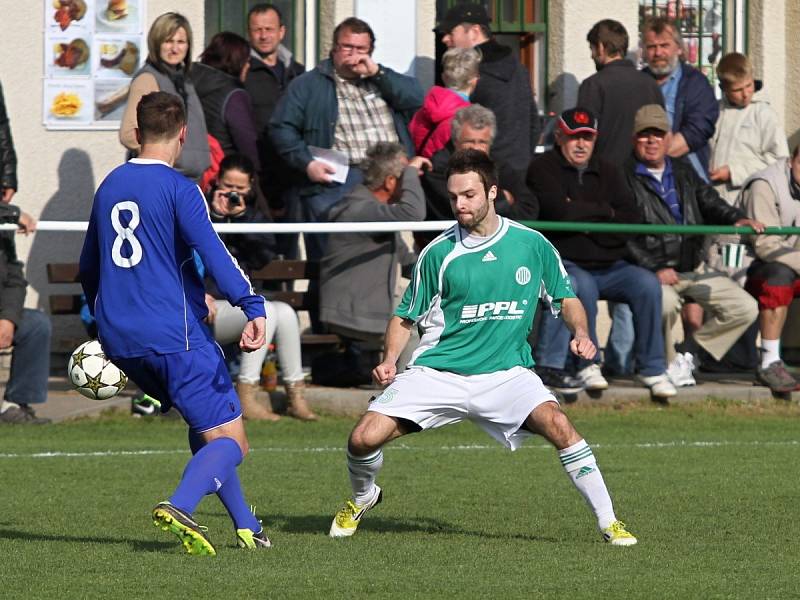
column 669, row 192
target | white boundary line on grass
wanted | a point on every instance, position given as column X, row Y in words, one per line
column 644, row 445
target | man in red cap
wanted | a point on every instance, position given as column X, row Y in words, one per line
column 571, row 184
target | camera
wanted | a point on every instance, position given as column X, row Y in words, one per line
column 234, row 198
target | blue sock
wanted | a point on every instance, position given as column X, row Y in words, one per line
column 206, row 473
column 230, row 494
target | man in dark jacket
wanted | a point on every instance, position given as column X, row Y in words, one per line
column 504, row 85
column 571, row 184
column 347, row 103
column 27, row 330
column 691, row 106
column 669, row 191
column 8, row 158
column 272, row 68
column 358, row 274
column 616, row 91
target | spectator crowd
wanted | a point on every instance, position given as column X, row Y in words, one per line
column 353, row 140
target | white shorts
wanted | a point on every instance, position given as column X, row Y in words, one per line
column 499, row 403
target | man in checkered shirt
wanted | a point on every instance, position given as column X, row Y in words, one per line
column 348, row 103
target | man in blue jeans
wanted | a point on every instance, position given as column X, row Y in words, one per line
column 28, row 331
column 573, row 185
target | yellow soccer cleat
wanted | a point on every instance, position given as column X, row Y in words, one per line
column 349, row 516
column 616, row 535
column 193, row 536
column 245, row 538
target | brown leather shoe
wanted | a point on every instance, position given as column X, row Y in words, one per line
column 298, row 407
column 252, row 409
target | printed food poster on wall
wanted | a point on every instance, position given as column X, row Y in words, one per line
column 92, row 50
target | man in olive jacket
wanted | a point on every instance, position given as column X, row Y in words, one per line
column 358, row 273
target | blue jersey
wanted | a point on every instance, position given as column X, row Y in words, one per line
column 137, row 267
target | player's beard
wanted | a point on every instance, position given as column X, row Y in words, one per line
column 471, row 220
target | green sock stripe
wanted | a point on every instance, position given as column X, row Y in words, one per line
column 576, row 456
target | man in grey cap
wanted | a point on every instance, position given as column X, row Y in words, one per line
column 504, row 85
column 669, row 191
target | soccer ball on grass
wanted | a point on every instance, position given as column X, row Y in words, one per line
column 92, row 374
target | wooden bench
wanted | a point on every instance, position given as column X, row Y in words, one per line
column 278, row 273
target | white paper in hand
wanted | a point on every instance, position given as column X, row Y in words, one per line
column 338, row 160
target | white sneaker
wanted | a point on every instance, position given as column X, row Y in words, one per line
column 660, row 385
column 591, row 378
column 680, row 370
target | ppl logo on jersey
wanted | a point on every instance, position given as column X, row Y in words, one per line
column 502, row 310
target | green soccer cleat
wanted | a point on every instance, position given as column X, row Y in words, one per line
column 349, row 516
column 616, row 535
column 193, row 536
column 248, row 540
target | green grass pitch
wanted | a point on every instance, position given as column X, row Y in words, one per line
column 712, row 492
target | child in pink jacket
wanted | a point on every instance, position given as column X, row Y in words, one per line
column 430, row 126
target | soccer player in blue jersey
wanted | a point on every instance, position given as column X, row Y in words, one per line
column 143, row 288
column 473, row 294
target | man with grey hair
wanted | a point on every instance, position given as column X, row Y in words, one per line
column 358, row 272
column 692, row 109
column 475, row 127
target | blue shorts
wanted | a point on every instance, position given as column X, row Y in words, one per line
column 195, row 382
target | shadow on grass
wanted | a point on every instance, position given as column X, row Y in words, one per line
column 321, row 524
column 137, row 545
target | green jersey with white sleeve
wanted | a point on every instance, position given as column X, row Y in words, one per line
column 475, row 297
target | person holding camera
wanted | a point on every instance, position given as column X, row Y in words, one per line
column 236, row 198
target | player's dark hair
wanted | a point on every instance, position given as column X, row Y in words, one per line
column 264, row 7
column 354, row 25
column 612, row 34
column 159, row 116
column 473, row 161
column 228, row 52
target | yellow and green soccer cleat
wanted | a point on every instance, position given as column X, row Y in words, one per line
column 616, row 535
column 349, row 516
column 193, row 536
column 245, row 538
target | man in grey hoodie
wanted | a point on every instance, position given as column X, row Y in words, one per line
column 358, row 273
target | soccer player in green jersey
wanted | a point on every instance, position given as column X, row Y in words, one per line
column 473, row 294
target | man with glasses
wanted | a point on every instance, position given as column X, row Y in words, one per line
column 347, row 103
column 668, row 191
column 571, row 183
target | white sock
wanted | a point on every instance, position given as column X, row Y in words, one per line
column 6, row 405
column 770, row 352
column 579, row 463
column 363, row 470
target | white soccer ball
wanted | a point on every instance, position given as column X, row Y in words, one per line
column 92, row 374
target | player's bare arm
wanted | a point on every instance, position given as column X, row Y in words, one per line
column 397, row 333
column 575, row 319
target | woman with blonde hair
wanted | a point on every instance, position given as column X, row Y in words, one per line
column 169, row 45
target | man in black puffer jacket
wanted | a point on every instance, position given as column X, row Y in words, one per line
column 504, row 85
column 668, row 191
